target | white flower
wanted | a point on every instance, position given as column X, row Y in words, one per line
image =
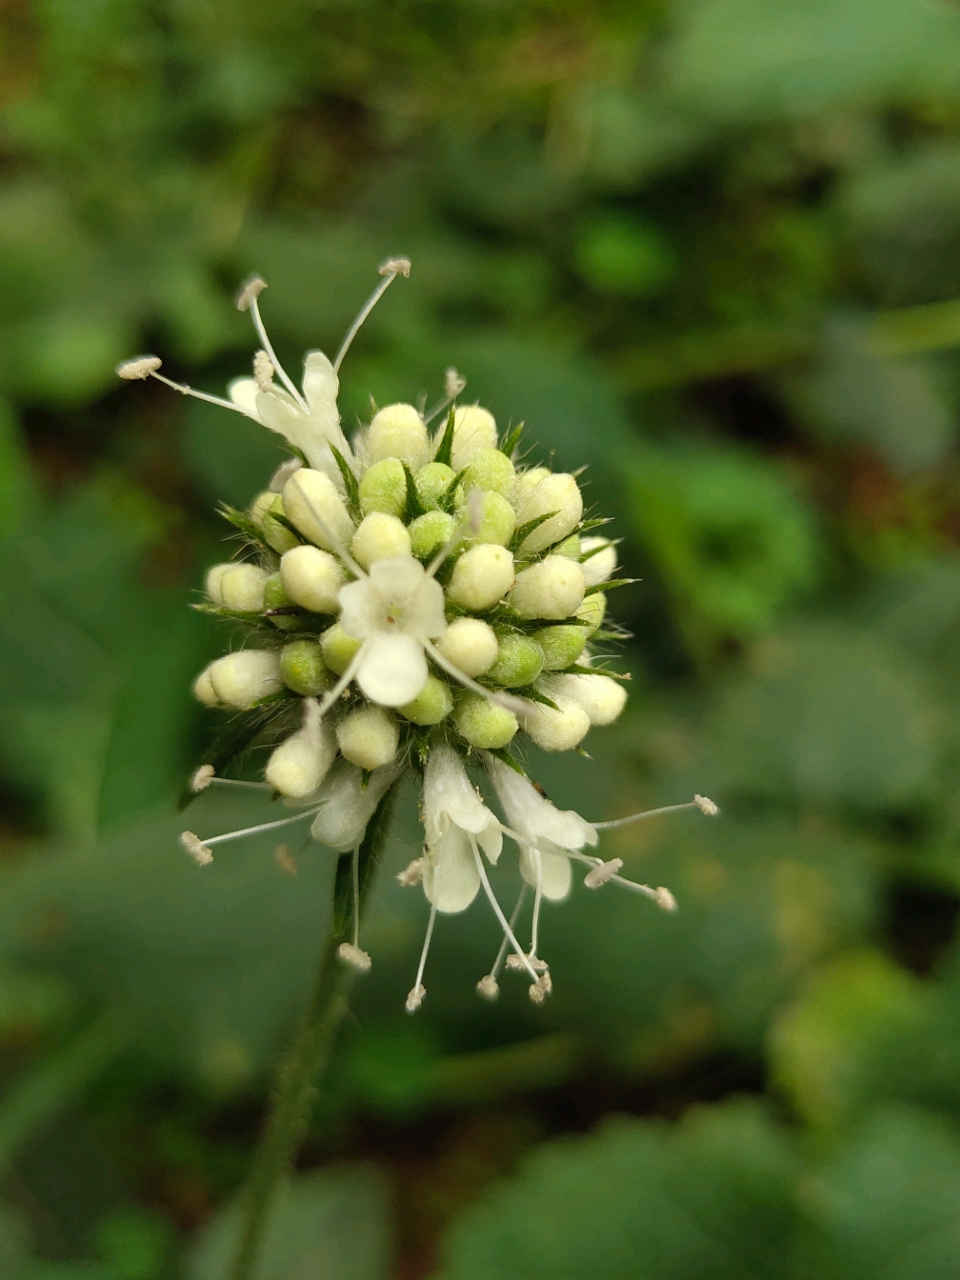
column 455, row 821
column 396, row 610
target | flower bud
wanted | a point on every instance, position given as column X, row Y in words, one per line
column 302, row 667
column 430, row 532
column 298, row 766
column 261, row 505
column 338, row 648
column 243, row 678
column 473, row 429
column 553, row 588
column 527, row 481
column 274, row 597
column 601, row 560
column 481, row 577
column 519, row 661
column 559, row 730
column 368, row 737
column 491, row 471
column 314, row 506
column 312, row 579
column 470, row 645
column 238, row 587
column 484, row 724
column 396, row 432
column 204, row 691
column 496, row 520
column 591, row 612
column 601, row 698
column 212, row 581
column 569, row 547
column 560, row 645
column 263, row 509
column 432, row 704
column 432, row 482
column 379, row 537
column 384, row 488
column 348, row 805
column 555, row 493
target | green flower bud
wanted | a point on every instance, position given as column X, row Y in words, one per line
column 484, row 724
column 314, row 506
column 559, row 729
column 470, row 645
column 384, row 488
column 552, row 588
column 491, row 471
column 481, row 577
column 473, row 429
column 302, row 668
column 560, row 645
column 261, row 505
column 432, row 704
column 592, row 611
column 379, row 537
column 432, row 481
column 497, row 520
column 397, row 431
column 274, row 597
column 338, row 648
column 276, row 535
column 368, row 737
column 519, row 661
column 430, row 532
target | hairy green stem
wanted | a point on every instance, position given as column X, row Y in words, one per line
column 309, row 1053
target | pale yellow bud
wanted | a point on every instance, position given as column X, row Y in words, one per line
column 481, row 577
column 368, row 737
column 526, row 482
column 601, row 561
column 495, row 520
column 241, row 588
column 396, row 432
column 601, row 698
column 491, row 471
column 470, row 645
column 560, row 494
column 298, row 766
column 212, row 581
column 314, row 506
column 484, row 724
column 379, row 537
column 473, row 429
column 430, row 532
column 559, row 730
column 204, row 691
column 591, row 612
column 312, row 579
column 384, row 488
column 553, row 588
column 243, row 678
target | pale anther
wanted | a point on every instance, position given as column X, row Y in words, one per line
column 539, row 990
column 706, row 806
column 453, row 383
column 514, row 961
column 665, row 899
column 141, row 367
column 285, row 859
column 411, row 874
column 354, row 957
column 196, row 848
column 250, row 292
column 263, row 370
column 415, row 998
column 488, row 988
column 602, row 873
column 202, row 778
column 396, row 267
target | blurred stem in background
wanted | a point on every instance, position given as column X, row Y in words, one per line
column 310, row 1051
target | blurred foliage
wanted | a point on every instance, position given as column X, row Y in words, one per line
column 711, row 249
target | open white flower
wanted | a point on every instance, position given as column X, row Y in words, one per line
column 455, row 822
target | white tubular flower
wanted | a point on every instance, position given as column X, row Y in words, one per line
column 455, row 819
column 543, row 831
column 396, row 610
column 395, row 572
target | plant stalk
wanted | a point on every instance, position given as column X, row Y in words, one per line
column 309, row 1053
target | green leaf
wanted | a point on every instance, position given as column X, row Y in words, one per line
column 349, row 481
column 445, row 450
column 511, row 440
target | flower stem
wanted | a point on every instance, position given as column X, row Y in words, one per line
column 309, row 1053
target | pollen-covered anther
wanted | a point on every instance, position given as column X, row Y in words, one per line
column 202, row 778
column 664, row 899
column 412, row 874
column 354, row 957
column 250, row 292
column 539, row 990
column 453, row 383
column 516, row 962
column 396, row 267
column 197, row 850
column 285, row 859
column 488, row 988
column 601, row 874
column 706, row 806
column 263, row 370
column 415, row 998
column 140, row 368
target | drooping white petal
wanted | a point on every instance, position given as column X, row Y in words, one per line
column 320, row 389
column 362, row 610
column 532, row 815
column 448, row 790
column 430, row 617
column 398, row 578
column 557, row 872
column 393, row 669
column 450, row 877
column 348, row 805
column 243, row 392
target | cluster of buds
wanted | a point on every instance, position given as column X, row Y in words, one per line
column 416, row 599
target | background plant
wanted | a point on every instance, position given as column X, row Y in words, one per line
column 713, row 250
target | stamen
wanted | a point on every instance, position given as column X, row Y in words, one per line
column 392, row 268
column 498, row 910
column 489, row 988
column 516, row 963
column 190, row 841
column 344, row 680
column 411, row 874
column 706, row 806
column 355, row 867
column 147, row 367
column 602, row 873
column 540, row 989
column 263, row 370
column 285, row 859
column 238, row 782
column 537, row 904
column 661, row 896
column 202, row 778
column 506, row 942
column 196, row 849
column 141, row 367
column 453, row 384
column 415, row 998
column 354, row 957
column 698, row 802
column 248, row 301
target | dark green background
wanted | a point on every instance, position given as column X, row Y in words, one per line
column 710, row 248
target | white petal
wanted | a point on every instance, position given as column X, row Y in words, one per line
column 397, row 578
column 556, row 871
column 320, row 384
column 532, row 814
column 361, row 609
column 347, row 805
column 278, row 413
column 431, row 620
column 448, row 789
column 490, row 840
column 243, row 392
column 393, row 669
column 450, row 878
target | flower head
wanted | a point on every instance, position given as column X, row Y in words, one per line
column 416, row 599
